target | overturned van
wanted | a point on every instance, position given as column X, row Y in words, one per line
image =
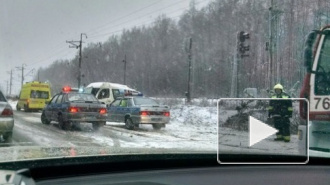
column 107, row 92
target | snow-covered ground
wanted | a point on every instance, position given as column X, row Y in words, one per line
column 233, row 141
column 237, row 141
column 191, row 127
column 12, row 104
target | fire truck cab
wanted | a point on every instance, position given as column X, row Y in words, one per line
column 316, row 88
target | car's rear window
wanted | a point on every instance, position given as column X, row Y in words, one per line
column 144, row 101
column 2, row 97
column 81, row 97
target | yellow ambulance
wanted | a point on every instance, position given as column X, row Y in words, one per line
column 33, row 96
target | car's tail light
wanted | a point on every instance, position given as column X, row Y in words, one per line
column 103, row 110
column 7, row 112
column 73, row 109
column 144, row 113
column 167, row 114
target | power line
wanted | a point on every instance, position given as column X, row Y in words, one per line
column 98, row 35
column 54, row 48
column 120, row 18
column 146, row 15
column 149, row 22
column 41, row 60
column 52, row 56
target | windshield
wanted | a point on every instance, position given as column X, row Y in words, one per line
column 117, row 93
column 198, row 62
column 322, row 76
column 92, row 90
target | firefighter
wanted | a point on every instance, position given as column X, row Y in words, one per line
column 281, row 111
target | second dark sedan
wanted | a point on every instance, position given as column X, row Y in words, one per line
column 135, row 110
column 72, row 107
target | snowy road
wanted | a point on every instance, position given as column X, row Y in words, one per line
column 183, row 133
column 29, row 131
column 192, row 128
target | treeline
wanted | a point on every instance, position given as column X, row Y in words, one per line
column 157, row 58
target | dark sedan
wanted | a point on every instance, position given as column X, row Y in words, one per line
column 135, row 110
column 70, row 107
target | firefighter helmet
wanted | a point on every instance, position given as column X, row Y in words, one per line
column 278, row 86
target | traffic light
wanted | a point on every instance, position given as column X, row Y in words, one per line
column 243, row 36
column 241, row 47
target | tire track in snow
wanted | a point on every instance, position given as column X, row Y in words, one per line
column 52, row 135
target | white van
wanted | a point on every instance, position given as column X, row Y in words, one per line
column 107, row 92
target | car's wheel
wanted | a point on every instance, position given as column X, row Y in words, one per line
column 129, row 124
column 17, row 107
column 64, row 125
column 26, row 108
column 76, row 126
column 157, row 126
column 97, row 125
column 44, row 119
column 8, row 137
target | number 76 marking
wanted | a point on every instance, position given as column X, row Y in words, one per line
column 325, row 103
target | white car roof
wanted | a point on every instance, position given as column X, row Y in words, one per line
column 96, row 84
column 108, row 85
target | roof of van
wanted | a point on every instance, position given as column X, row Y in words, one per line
column 108, row 84
column 36, row 84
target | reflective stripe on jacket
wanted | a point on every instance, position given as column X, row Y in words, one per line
column 280, row 107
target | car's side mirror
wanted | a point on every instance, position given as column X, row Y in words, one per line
column 47, row 102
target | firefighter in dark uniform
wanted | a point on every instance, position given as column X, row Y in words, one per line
column 281, row 111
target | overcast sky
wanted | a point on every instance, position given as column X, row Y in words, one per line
column 33, row 33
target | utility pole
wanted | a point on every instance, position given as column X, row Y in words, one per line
column 80, row 56
column 22, row 75
column 188, row 94
column 125, row 69
column 237, row 75
column 241, row 48
column 270, row 47
column 273, row 42
column 21, row 68
column 10, row 81
column 7, row 87
column 234, row 78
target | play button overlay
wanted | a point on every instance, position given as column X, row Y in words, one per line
column 259, row 131
column 247, row 132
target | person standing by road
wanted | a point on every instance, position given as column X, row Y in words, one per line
column 281, row 111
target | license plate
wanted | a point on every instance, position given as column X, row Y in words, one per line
column 89, row 117
column 156, row 119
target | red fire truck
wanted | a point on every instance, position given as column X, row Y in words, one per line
column 316, row 88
